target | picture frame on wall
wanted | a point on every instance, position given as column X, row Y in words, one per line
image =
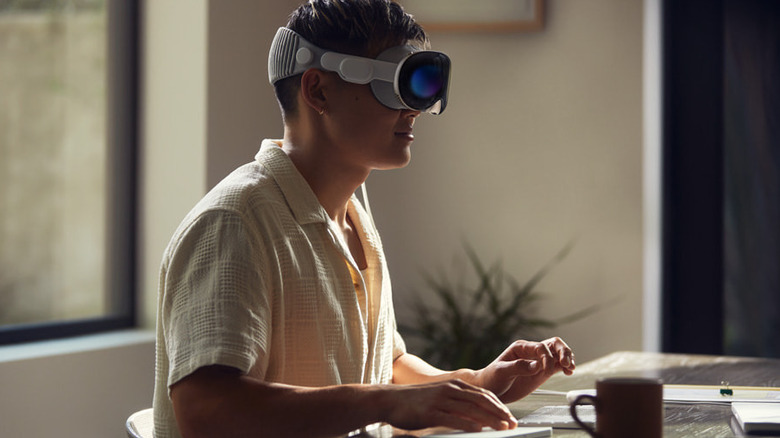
column 477, row 15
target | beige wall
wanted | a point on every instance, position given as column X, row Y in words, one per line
column 173, row 129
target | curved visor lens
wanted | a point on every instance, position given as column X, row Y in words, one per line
column 423, row 80
column 426, row 82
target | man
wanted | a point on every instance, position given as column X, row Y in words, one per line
column 275, row 313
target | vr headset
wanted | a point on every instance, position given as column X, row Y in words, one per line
column 401, row 77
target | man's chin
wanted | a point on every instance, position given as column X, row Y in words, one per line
column 400, row 163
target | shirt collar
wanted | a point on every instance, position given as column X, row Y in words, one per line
column 299, row 196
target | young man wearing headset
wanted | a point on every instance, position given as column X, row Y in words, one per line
column 275, row 314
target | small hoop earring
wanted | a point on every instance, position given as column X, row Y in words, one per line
column 322, row 111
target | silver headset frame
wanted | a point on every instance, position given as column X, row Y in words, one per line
column 291, row 54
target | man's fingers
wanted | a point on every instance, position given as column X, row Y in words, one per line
column 471, row 417
column 475, row 419
column 545, row 356
column 485, row 399
column 447, row 419
column 567, row 362
column 490, row 410
column 557, row 346
column 561, row 352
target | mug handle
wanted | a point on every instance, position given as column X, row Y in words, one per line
column 573, row 410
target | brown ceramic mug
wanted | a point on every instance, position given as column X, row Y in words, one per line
column 625, row 407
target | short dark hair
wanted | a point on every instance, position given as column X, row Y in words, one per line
column 354, row 27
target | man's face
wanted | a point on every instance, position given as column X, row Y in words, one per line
column 369, row 133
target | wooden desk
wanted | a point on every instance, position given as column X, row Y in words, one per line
column 680, row 420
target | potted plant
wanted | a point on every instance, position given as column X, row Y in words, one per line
column 473, row 322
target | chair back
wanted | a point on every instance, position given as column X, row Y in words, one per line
column 140, row 424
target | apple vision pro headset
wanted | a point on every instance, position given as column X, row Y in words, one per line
column 401, row 77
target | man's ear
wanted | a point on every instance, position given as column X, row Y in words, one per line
column 313, row 84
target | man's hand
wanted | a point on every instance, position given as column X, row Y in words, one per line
column 524, row 366
column 445, row 399
column 451, row 403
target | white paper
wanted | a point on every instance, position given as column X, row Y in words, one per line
column 530, row 432
column 705, row 394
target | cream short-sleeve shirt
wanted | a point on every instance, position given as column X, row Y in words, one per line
column 257, row 277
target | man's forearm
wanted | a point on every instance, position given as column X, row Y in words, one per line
column 410, row 369
column 219, row 403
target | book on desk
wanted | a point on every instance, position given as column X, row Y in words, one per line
column 757, row 417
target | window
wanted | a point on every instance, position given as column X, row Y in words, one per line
column 752, row 178
column 67, row 167
column 721, row 177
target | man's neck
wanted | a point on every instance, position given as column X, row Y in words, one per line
column 332, row 181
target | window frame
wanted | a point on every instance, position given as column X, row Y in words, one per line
column 122, row 69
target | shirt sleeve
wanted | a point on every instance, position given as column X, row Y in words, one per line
column 216, row 309
column 399, row 346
